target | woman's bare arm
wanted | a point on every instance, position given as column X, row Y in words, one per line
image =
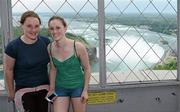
column 9, row 75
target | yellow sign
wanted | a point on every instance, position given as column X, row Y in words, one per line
column 102, row 97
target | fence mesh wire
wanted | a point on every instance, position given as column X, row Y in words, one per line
column 141, row 35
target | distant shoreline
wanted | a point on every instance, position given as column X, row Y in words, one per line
column 151, row 20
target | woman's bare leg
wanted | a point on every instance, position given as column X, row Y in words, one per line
column 77, row 105
column 61, row 104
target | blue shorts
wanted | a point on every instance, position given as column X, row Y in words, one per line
column 72, row 93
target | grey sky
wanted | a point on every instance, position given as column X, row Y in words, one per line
column 91, row 6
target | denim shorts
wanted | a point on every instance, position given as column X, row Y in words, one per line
column 72, row 93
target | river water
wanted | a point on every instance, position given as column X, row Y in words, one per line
column 127, row 47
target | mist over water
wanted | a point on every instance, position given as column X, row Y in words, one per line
column 126, row 55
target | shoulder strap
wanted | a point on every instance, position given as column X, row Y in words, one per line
column 50, row 51
column 76, row 53
column 75, row 49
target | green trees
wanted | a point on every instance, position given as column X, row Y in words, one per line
column 169, row 64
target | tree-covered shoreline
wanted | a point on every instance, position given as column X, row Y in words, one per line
column 166, row 24
column 161, row 23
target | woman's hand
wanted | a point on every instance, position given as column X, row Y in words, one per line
column 11, row 96
column 84, row 97
column 51, row 90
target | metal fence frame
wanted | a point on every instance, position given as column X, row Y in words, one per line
column 7, row 34
column 178, row 40
column 6, row 31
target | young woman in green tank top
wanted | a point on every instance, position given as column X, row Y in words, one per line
column 69, row 69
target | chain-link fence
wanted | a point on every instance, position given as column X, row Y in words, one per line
column 144, row 45
column 140, row 35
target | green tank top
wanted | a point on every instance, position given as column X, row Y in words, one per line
column 69, row 72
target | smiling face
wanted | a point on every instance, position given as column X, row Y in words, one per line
column 57, row 29
column 31, row 28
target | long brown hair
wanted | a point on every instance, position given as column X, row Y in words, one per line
column 29, row 14
column 58, row 18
